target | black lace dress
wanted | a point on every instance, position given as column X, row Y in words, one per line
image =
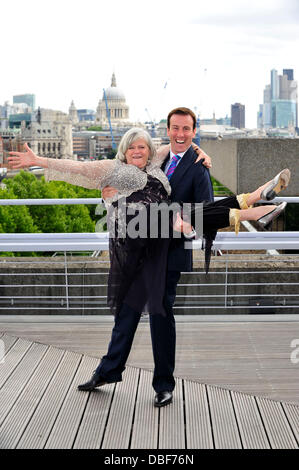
column 137, row 273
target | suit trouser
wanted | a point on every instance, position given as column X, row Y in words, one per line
column 163, row 342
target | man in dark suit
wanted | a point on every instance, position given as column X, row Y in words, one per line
column 190, row 182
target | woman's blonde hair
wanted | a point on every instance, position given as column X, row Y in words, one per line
column 129, row 137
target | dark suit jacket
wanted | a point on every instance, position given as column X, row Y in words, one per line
column 190, row 182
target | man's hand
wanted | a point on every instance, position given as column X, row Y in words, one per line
column 181, row 225
column 108, row 192
column 207, row 162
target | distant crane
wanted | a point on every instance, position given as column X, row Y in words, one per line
column 197, row 136
column 153, row 133
column 109, row 120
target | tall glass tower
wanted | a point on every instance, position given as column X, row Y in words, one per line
column 27, row 98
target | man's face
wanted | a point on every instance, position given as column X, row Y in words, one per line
column 180, row 132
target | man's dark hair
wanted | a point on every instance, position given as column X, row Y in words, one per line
column 182, row 112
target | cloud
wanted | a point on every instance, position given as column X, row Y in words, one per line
column 249, row 15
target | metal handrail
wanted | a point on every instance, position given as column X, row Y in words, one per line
column 83, row 242
column 95, row 200
column 86, row 242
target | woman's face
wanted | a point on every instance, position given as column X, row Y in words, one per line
column 138, row 153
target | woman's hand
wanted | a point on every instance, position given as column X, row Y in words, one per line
column 207, row 162
column 22, row 159
column 108, row 192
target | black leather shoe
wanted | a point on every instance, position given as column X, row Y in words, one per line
column 95, row 381
column 163, row 398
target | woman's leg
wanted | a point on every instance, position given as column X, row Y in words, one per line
column 255, row 213
column 216, row 215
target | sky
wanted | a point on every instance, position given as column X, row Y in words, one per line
column 205, row 55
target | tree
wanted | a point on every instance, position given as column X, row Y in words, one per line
column 46, row 218
column 111, row 153
column 94, row 128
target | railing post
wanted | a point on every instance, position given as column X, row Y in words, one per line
column 66, row 281
column 225, row 286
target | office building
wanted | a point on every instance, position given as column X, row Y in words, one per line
column 279, row 109
column 49, row 134
column 27, row 99
column 86, row 115
column 238, row 115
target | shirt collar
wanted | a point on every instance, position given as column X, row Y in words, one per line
column 180, row 154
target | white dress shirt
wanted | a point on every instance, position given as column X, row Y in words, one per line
column 171, row 156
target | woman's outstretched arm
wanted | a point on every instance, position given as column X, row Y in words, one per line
column 25, row 159
column 86, row 174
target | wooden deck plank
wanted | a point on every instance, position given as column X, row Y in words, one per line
column 40, row 407
column 91, row 431
column 18, row 379
column 198, row 424
column 146, row 421
column 15, row 351
column 292, row 412
column 206, row 351
column 278, row 429
column 41, row 423
column 224, row 424
column 118, row 430
column 172, row 426
column 15, row 423
column 8, row 341
column 252, row 431
column 66, row 425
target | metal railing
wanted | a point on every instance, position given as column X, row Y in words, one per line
column 238, row 283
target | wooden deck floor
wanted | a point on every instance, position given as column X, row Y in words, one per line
column 250, row 355
column 40, row 407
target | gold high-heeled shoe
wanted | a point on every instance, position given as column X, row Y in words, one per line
column 278, row 183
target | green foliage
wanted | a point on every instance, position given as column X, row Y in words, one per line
column 47, row 218
column 292, row 217
column 219, row 189
column 94, row 128
column 111, row 154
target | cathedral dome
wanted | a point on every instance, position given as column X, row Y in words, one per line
column 118, row 110
column 113, row 92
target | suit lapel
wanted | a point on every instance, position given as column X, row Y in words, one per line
column 187, row 160
column 165, row 161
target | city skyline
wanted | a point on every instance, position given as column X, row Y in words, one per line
column 206, row 56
